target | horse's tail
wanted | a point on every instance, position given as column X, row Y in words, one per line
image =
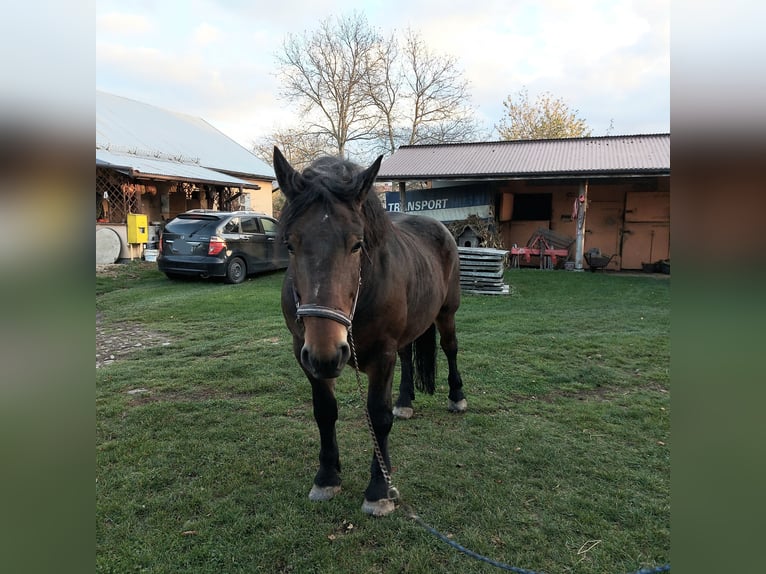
column 424, row 359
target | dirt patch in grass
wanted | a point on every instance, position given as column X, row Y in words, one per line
column 143, row 396
column 117, row 341
column 600, row 393
column 108, row 269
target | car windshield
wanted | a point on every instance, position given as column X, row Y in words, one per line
column 189, row 225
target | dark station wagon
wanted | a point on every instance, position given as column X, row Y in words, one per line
column 228, row 244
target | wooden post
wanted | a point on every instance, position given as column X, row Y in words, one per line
column 582, row 205
column 402, row 197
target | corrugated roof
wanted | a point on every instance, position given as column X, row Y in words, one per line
column 608, row 155
column 135, row 166
column 131, row 128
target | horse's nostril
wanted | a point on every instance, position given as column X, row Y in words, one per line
column 326, row 367
column 344, row 353
column 305, row 357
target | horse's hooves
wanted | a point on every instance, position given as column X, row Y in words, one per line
column 458, row 407
column 319, row 493
column 380, row 507
column 403, row 412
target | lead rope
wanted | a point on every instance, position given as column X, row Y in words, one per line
column 393, row 493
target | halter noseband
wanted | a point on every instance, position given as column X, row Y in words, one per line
column 312, row 310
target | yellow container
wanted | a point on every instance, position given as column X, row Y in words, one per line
column 138, row 228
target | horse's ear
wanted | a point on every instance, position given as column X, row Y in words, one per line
column 289, row 179
column 368, row 178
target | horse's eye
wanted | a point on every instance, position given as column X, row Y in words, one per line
column 357, row 246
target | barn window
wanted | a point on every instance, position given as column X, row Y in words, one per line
column 532, row 206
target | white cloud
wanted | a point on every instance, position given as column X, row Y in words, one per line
column 206, row 34
column 584, row 52
column 603, row 57
column 124, row 24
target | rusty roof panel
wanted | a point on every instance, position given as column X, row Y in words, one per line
column 531, row 158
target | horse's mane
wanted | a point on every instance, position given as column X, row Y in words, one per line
column 330, row 180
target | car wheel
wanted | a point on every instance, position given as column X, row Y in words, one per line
column 236, row 271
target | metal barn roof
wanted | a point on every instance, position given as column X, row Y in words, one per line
column 159, row 169
column 152, row 140
column 570, row 157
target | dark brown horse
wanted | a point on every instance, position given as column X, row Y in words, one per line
column 383, row 284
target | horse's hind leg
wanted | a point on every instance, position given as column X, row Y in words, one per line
column 445, row 322
column 403, row 408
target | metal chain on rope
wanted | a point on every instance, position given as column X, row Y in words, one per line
column 393, row 493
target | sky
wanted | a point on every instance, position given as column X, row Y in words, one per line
column 217, row 59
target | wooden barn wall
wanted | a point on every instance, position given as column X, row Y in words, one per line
column 628, row 218
column 162, row 200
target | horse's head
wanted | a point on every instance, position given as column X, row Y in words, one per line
column 324, row 224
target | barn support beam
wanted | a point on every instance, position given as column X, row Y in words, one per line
column 402, row 195
column 582, row 206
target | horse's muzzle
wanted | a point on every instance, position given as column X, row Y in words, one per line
column 323, row 360
column 326, row 367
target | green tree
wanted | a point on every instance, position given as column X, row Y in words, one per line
column 547, row 118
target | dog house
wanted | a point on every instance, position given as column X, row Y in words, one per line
column 468, row 237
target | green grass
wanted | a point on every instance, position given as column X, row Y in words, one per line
column 561, row 463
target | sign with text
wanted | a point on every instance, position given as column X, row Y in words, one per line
column 444, row 203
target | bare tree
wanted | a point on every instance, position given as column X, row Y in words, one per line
column 326, row 71
column 371, row 94
column 437, row 102
column 384, row 87
column 298, row 146
column 547, row 118
column 422, row 96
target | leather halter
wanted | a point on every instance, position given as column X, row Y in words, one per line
column 323, row 312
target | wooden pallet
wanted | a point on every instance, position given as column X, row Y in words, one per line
column 482, row 269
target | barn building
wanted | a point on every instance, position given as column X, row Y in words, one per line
column 157, row 163
column 619, row 184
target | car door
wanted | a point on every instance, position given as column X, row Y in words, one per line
column 255, row 244
column 278, row 251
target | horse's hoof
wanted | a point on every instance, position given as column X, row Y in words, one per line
column 380, row 507
column 458, row 407
column 403, row 412
column 320, row 493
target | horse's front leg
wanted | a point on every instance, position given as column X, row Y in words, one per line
column 380, row 376
column 403, row 408
column 327, row 480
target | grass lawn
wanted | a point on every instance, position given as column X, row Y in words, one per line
column 206, row 447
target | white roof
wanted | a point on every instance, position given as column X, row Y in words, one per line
column 136, row 166
column 132, row 132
